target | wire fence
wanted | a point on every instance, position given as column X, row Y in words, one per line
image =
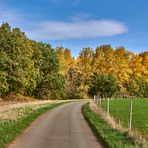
column 98, row 100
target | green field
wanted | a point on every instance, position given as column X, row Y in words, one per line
column 120, row 108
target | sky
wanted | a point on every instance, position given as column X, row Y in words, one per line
column 75, row 24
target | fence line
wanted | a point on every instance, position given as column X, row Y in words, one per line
column 98, row 101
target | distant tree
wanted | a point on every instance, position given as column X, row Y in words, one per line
column 103, row 60
column 84, row 66
column 144, row 56
column 58, row 87
column 104, row 85
column 72, row 83
column 136, row 66
column 66, row 59
column 138, row 87
column 121, row 64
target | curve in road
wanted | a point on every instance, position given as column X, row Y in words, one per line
column 62, row 127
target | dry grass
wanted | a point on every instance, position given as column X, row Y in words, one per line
column 112, row 122
column 18, row 118
column 14, row 110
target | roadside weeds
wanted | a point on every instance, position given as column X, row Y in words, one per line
column 97, row 118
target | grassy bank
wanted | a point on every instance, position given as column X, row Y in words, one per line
column 10, row 128
column 119, row 109
column 109, row 136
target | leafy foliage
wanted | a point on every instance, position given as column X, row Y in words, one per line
column 104, row 85
column 27, row 67
column 138, row 86
column 35, row 69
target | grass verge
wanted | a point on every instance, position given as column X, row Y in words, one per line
column 109, row 136
column 9, row 129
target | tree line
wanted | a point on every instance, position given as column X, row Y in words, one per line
column 106, row 72
column 35, row 69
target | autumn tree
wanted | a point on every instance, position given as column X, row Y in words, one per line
column 103, row 60
column 144, row 62
column 67, row 69
column 65, row 58
column 84, row 64
column 136, row 66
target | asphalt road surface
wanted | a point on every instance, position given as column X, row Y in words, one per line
column 61, row 127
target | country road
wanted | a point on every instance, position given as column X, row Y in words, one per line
column 61, row 127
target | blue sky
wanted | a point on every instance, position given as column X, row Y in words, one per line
column 81, row 23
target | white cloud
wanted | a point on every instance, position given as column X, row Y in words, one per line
column 55, row 30
column 80, row 26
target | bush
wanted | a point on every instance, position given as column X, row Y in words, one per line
column 138, row 87
column 103, row 85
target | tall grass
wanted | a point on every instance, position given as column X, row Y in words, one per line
column 111, row 137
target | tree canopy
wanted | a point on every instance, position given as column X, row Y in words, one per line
column 36, row 69
column 27, row 67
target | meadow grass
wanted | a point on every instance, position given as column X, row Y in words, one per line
column 10, row 128
column 109, row 136
column 120, row 110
